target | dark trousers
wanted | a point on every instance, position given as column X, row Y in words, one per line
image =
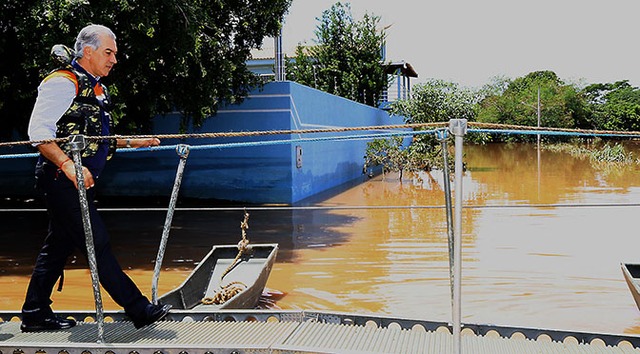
column 66, row 232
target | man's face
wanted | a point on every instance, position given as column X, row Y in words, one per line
column 99, row 62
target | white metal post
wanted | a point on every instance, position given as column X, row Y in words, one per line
column 77, row 144
column 458, row 127
column 279, row 60
column 182, row 151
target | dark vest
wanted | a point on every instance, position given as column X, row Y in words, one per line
column 85, row 116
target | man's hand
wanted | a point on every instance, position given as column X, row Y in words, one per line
column 54, row 154
column 69, row 169
column 138, row 143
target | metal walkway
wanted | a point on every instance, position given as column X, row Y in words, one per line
column 298, row 332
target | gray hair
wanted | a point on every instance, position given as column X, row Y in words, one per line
column 90, row 37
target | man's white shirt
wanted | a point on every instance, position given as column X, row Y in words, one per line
column 55, row 96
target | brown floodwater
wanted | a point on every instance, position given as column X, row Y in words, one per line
column 543, row 233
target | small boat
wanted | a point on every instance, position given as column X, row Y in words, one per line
column 226, row 278
column 631, row 272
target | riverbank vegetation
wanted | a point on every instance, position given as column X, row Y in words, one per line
column 541, row 99
column 596, row 151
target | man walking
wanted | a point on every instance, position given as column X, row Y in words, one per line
column 72, row 100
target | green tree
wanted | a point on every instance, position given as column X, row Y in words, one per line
column 346, row 59
column 431, row 102
column 181, row 55
column 437, row 101
column 614, row 106
column 561, row 105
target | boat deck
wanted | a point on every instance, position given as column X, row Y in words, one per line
column 262, row 332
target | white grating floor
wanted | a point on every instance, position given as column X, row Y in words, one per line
column 271, row 337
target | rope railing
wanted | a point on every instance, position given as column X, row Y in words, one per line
column 526, row 129
column 236, row 134
column 238, row 144
column 474, row 127
column 382, row 132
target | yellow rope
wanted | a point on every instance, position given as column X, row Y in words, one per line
column 566, row 130
column 236, row 134
column 230, row 290
column 225, row 294
column 342, row 129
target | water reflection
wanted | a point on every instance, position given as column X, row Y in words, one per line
column 381, row 247
column 523, row 265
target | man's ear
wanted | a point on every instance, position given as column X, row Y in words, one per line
column 87, row 51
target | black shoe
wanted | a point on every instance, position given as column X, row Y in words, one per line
column 152, row 313
column 54, row 323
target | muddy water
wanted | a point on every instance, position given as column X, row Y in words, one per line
column 543, row 237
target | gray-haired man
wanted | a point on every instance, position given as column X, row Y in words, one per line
column 72, row 100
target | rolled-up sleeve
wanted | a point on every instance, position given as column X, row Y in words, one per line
column 55, row 96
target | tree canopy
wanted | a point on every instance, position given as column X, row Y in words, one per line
column 346, row 59
column 602, row 106
column 430, row 102
column 614, row 106
column 184, row 55
column 560, row 105
column 436, row 101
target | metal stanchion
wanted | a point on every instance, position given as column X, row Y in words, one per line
column 182, row 151
column 77, row 144
column 442, row 136
column 458, row 127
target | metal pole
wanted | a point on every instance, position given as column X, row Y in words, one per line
column 77, row 145
column 458, row 127
column 538, row 115
column 442, row 136
column 182, row 151
column 538, row 151
column 279, row 57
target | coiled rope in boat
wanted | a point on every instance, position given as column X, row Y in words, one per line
column 233, row 288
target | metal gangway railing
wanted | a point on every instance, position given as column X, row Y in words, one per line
column 458, row 128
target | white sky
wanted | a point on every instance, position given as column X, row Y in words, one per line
column 471, row 41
